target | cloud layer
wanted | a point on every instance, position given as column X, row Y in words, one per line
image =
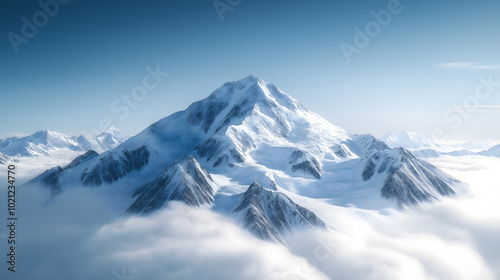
column 468, row 65
column 74, row 238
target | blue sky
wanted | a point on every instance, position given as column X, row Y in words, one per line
column 412, row 75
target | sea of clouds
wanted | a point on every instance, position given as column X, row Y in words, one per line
column 75, row 237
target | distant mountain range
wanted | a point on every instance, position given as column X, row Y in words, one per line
column 242, row 151
column 423, row 147
column 494, row 151
column 45, row 143
column 409, row 140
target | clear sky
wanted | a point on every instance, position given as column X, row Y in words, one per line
column 413, row 74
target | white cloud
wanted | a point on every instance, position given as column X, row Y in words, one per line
column 454, row 239
column 482, row 109
column 189, row 243
column 467, row 65
column 74, row 238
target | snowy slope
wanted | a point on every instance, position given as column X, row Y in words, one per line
column 362, row 144
column 37, row 144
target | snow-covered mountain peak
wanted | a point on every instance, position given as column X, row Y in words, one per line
column 187, row 164
column 407, row 180
column 185, row 180
column 254, row 193
column 246, row 80
column 116, row 132
column 46, row 135
column 42, row 133
column 408, row 140
column 246, row 131
column 237, row 119
column 272, row 215
column 251, row 92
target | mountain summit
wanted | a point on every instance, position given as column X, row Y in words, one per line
column 408, row 140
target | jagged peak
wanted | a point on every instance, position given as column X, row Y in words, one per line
column 43, row 136
column 404, row 152
column 398, row 152
column 45, row 133
column 234, row 101
column 186, row 164
column 252, row 196
column 90, row 154
column 254, row 188
column 254, row 87
column 408, row 139
column 185, row 159
column 250, row 79
column 112, row 129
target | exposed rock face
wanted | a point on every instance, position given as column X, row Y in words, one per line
column 115, row 165
column 50, row 179
column 301, row 161
column 185, row 180
column 271, row 215
column 408, row 179
column 362, row 144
